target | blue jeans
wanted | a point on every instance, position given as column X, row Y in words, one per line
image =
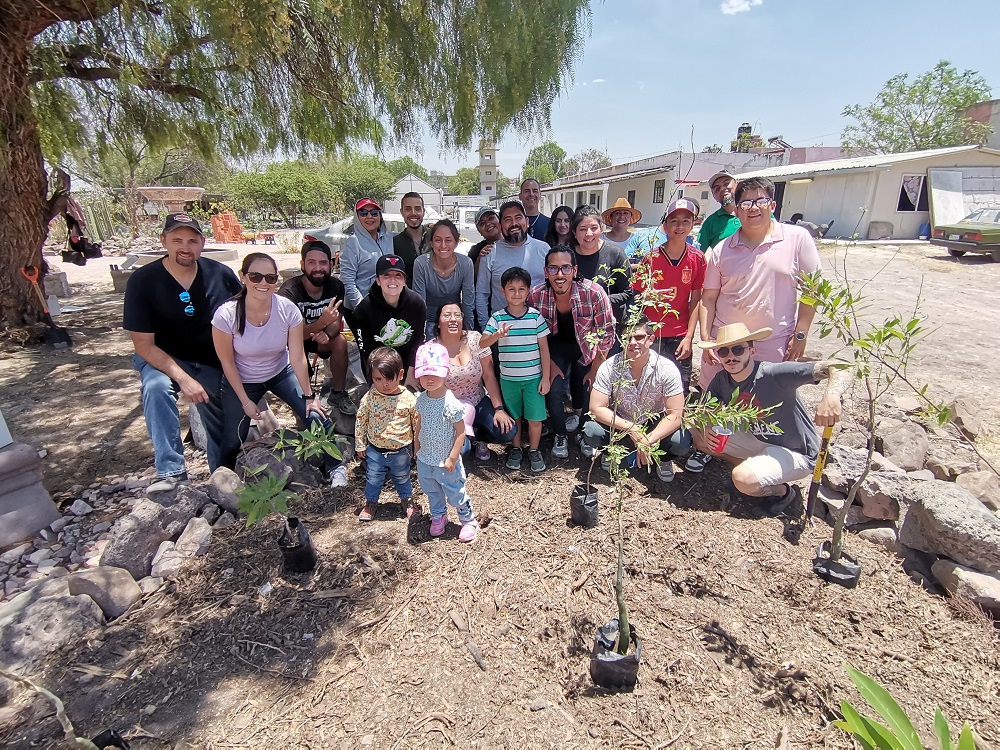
column 159, row 407
column 394, row 463
column 485, row 428
column 675, row 445
column 285, row 386
column 442, row 486
column 573, row 383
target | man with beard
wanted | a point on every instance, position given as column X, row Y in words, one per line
column 413, row 240
column 783, row 447
column 169, row 305
column 320, row 297
column 723, row 223
column 582, row 331
column 531, row 197
column 517, row 250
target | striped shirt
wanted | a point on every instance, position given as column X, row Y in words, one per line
column 520, row 357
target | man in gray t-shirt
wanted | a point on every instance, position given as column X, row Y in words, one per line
column 768, row 456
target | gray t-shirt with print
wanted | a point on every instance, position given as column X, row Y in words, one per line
column 634, row 401
column 437, row 426
column 774, row 384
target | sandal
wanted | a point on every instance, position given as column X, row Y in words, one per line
column 368, row 514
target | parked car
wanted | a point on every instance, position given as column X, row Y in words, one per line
column 979, row 232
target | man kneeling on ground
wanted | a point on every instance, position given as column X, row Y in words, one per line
column 783, row 448
column 639, row 392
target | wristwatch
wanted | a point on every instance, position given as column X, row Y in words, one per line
column 309, row 396
column 799, row 336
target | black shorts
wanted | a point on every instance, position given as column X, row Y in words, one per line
column 312, row 347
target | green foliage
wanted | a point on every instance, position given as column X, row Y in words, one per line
column 549, row 154
column 405, row 165
column 289, row 187
column 586, row 161
column 897, row 733
column 316, row 440
column 928, row 112
column 264, row 494
column 541, row 172
column 715, row 148
column 465, row 182
column 361, row 177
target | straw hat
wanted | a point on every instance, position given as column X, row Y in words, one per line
column 622, row 203
column 735, row 333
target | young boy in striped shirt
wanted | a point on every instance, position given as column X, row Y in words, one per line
column 524, row 363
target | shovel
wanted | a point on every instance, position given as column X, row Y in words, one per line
column 824, row 450
column 56, row 337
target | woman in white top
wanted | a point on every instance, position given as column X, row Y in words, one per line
column 258, row 337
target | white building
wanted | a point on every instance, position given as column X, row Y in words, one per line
column 410, row 183
column 886, row 195
column 488, row 170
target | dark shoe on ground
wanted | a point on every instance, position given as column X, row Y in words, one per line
column 166, row 484
column 342, row 402
column 561, row 447
column 772, row 507
column 514, row 457
column 483, row 451
column 537, row 462
column 665, row 470
column 697, row 462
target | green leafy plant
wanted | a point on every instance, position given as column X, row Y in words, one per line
column 316, row 440
column 897, row 733
column 264, row 494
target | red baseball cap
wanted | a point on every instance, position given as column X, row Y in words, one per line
column 367, row 203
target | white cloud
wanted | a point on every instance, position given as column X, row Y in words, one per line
column 598, row 80
column 642, row 85
column 732, row 7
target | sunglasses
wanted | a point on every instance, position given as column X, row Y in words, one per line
column 737, row 350
column 256, row 278
column 564, row 270
column 369, row 212
column 185, row 297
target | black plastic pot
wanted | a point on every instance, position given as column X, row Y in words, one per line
column 844, row 572
column 608, row 668
column 296, row 547
column 583, row 507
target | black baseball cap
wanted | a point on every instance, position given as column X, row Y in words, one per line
column 176, row 221
column 388, row 263
column 319, row 246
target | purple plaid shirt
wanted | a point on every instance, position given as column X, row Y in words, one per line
column 591, row 308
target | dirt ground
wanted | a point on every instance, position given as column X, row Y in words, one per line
column 741, row 643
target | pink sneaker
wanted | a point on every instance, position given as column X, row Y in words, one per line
column 469, row 532
column 438, row 524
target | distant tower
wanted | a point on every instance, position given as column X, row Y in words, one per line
column 488, row 169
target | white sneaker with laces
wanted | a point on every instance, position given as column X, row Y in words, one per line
column 560, row 449
column 338, row 478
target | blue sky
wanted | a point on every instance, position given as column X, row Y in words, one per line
column 653, row 68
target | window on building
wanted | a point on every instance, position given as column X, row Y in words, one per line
column 631, row 198
column 488, row 157
column 704, row 195
column 595, row 200
column 658, row 187
column 489, row 172
column 680, row 193
column 581, row 198
column 488, row 188
column 912, row 193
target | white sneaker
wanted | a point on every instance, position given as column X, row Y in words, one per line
column 338, row 478
column 560, row 449
column 665, row 470
column 166, row 484
column 572, row 422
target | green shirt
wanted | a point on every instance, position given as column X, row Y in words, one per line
column 716, row 228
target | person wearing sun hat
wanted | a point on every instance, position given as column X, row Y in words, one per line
column 782, row 447
column 370, row 241
column 723, row 223
column 620, row 217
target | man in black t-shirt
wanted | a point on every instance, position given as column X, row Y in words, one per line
column 168, row 312
column 320, row 296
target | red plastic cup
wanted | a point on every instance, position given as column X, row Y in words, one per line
column 722, row 434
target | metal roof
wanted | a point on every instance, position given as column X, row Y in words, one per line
column 859, row 163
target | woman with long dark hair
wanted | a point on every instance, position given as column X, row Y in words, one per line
column 601, row 260
column 258, row 337
column 560, row 226
column 444, row 275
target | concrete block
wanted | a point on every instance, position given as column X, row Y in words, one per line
column 119, row 278
column 25, row 506
column 57, row 284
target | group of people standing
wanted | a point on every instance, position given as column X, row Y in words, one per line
column 525, row 325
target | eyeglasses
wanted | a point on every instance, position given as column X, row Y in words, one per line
column 369, row 212
column 185, row 297
column 555, row 270
column 638, row 338
column 256, row 278
column 762, row 202
column 737, row 350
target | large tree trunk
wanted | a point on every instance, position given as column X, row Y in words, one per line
column 23, row 205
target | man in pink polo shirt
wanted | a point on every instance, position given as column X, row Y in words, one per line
column 752, row 278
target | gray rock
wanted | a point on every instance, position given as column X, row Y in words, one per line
column 945, row 519
column 136, row 537
column 959, row 580
column 195, row 539
column 833, row 502
column 149, row 584
column 113, row 589
column 984, row 485
column 167, row 562
column 100, row 527
column 43, row 626
column 39, row 555
column 211, row 512
column 906, row 446
column 223, row 486
column 137, row 483
column 199, row 436
column 884, row 535
column 59, row 524
column 226, row 520
column 965, row 418
column 14, row 554
column 918, row 564
column 878, row 496
column 80, row 508
column 947, row 468
column 909, row 404
column 261, row 457
column 924, row 475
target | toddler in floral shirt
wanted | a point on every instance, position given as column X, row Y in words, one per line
column 439, row 443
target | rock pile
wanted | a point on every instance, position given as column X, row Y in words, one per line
column 927, row 501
